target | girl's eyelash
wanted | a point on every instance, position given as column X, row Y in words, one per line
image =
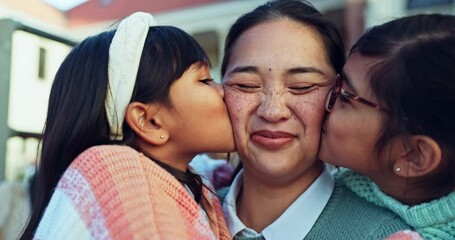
column 206, row 80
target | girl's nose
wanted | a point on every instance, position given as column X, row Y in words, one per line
column 219, row 88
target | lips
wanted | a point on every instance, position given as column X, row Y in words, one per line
column 272, row 139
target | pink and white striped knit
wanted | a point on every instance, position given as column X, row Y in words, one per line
column 115, row 192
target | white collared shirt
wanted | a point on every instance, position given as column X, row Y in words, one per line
column 295, row 222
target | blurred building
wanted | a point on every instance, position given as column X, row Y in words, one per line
column 29, row 58
column 361, row 14
column 379, row 11
column 35, row 36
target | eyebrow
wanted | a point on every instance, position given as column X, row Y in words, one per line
column 295, row 70
column 298, row 70
column 244, row 69
column 348, row 81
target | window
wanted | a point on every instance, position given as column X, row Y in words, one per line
column 210, row 43
column 42, row 63
column 415, row 4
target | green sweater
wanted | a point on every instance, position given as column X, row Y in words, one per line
column 347, row 216
column 433, row 220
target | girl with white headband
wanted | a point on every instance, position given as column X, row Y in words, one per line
column 128, row 110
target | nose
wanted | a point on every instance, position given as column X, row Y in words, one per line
column 219, row 88
column 273, row 108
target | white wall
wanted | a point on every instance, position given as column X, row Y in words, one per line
column 29, row 95
column 380, row 11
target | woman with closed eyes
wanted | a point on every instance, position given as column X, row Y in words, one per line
column 280, row 62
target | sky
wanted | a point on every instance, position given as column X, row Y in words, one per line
column 64, row 4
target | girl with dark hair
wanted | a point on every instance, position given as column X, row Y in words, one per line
column 281, row 59
column 391, row 119
column 128, row 110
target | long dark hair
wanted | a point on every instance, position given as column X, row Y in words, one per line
column 296, row 10
column 415, row 79
column 76, row 118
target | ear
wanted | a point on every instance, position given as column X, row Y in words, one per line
column 420, row 158
column 144, row 120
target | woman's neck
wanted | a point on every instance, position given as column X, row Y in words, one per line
column 261, row 202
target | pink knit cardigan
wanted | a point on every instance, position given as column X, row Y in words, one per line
column 115, row 192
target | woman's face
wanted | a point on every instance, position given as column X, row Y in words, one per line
column 276, row 82
column 198, row 117
column 351, row 129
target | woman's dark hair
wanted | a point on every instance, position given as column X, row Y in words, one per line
column 295, row 10
column 415, row 79
column 76, row 118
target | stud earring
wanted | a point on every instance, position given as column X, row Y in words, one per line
column 162, row 137
column 397, row 169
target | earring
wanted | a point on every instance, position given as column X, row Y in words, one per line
column 397, row 169
column 162, row 137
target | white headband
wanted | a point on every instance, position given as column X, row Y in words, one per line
column 124, row 56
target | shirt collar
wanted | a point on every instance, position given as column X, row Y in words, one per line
column 291, row 224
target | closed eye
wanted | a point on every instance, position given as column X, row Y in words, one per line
column 305, row 88
column 206, row 81
column 246, row 86
column 302, row 89
column 344, row 99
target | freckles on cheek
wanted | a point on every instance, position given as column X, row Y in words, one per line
column 233, row 108
column 309, row 110
column 309, row 113
column 237, row 103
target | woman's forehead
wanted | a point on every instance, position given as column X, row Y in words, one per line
column 280, row 44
